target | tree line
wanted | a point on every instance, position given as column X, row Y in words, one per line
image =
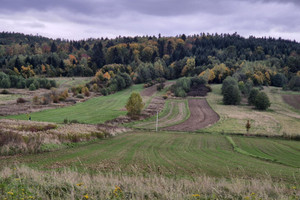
column 145, row 58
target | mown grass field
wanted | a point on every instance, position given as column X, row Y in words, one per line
column 279, row 119
column 173, row 155
column 93, row 111
column 67, row 82
column 174, row 112
column 281, row 151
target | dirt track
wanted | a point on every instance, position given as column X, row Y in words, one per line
column 151, row 90
column 201, row 116
column 292, row 100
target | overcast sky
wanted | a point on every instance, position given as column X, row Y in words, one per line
column 81, row 19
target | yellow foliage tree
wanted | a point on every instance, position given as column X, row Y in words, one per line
column 135, row 104
column 221, row 71
column 16, row 70
column 190, row 65
column 106, row 76
column 208, row 75
column 27, row 71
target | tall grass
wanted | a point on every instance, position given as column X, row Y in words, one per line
column 23, row 182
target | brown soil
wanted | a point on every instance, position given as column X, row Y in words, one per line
column 292, row 100
column 201, row 116
column 200, row 91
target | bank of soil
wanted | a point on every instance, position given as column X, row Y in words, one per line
column 202, row 115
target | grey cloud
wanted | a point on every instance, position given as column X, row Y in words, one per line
column 96, row 18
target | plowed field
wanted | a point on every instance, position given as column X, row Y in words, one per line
column 201, row 116
column 292, row 100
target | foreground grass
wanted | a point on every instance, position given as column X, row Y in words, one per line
column 170, row 154
column 279, row 119
column 93, row 111
column 25, row 183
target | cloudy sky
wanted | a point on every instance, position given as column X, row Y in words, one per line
column 81, row 19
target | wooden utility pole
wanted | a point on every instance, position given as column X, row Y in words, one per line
column 156, row 120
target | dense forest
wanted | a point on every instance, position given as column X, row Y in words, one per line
column 264, row 61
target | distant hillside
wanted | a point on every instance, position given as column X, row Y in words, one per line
column 145, row 58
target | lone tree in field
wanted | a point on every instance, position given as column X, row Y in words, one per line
column 262, row 101
column 135, row 104
column 232, row 95
column 248, row 126
column 230, row 91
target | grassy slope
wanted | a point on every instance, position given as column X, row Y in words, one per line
column 67, row 82
column 170, row 154
column 93, row 111
column 279, row 119
column 286, row 152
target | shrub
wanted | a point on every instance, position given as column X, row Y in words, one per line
column 21, row 100
column 36, row 83
column 294, row 83
column 46, row 99
column 95, row 87
column 98, row 135
column 180, row 92
column 231, row 95
column 279, row 80
column 135, row 104
column 80, row 96
column 66, row 121
column 5, row 92
column 48, row 86
column 104, row 91
column 262, row 101
column 36, row 100
column 32, row 87
column 160, row 86
column 53, row 83
column 85, row 91
column 28, row 82
column 227, row 82
column 252, row 96
column 21, row 83
column 74, row 121
column 198, row 81
column 5, row 83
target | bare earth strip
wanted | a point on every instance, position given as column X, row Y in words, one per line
column 292, row 100
column 201, row 116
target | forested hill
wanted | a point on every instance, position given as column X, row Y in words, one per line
column 145, row 58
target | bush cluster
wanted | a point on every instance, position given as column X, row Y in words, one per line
column 80, row 90
column 185, row 84
column 15, row 81
column 259, row 99
column 294, row 83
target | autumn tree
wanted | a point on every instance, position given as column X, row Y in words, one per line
column 135, row 104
